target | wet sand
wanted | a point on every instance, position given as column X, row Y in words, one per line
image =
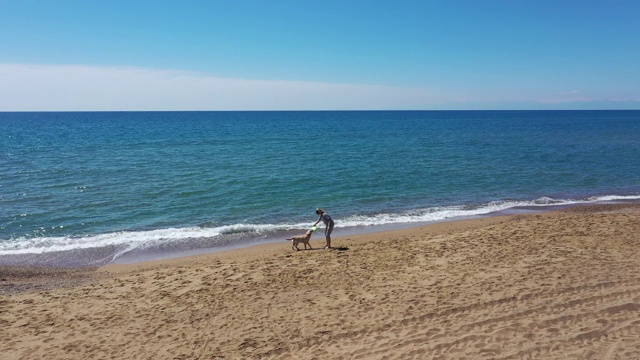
column 557, row 285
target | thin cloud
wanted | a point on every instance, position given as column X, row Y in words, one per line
column 570, row 92
column 33, row 87
column 28, row 87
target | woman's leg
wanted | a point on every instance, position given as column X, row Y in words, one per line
column 327, row 234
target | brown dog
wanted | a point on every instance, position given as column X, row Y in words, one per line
column 301, row 239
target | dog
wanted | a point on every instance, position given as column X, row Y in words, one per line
column 301, row 239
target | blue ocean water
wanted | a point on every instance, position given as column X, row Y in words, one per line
column 93, row 187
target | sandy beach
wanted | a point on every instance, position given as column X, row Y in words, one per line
column 557, row 285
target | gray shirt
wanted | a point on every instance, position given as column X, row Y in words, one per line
column 326, row 219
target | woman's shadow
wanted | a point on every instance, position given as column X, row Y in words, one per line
column 335, row 248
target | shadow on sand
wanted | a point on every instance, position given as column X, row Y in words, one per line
column 335, row 248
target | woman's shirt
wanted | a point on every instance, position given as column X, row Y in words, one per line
column 326, row 218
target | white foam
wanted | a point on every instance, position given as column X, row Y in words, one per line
column 132, row 239
column 39, row 245
column 460, row 211
column 613, row 198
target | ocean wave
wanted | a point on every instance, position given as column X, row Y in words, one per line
column 133, row 239
column 38, row 245
column 432, row 214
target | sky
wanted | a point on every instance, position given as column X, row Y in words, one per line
column 139, row 55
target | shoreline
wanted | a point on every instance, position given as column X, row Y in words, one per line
column 19, row 277
column 86, row 258
column 123, row 254
column 553, row 285
column 143, row 245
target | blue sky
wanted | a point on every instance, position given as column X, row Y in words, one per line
column 316, row 55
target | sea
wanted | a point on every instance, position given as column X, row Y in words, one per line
column 92, row 188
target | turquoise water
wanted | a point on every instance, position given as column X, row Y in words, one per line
column 99, row 186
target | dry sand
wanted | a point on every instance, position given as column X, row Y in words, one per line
column 561, row 285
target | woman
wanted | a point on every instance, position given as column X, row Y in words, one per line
column 328, row 222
